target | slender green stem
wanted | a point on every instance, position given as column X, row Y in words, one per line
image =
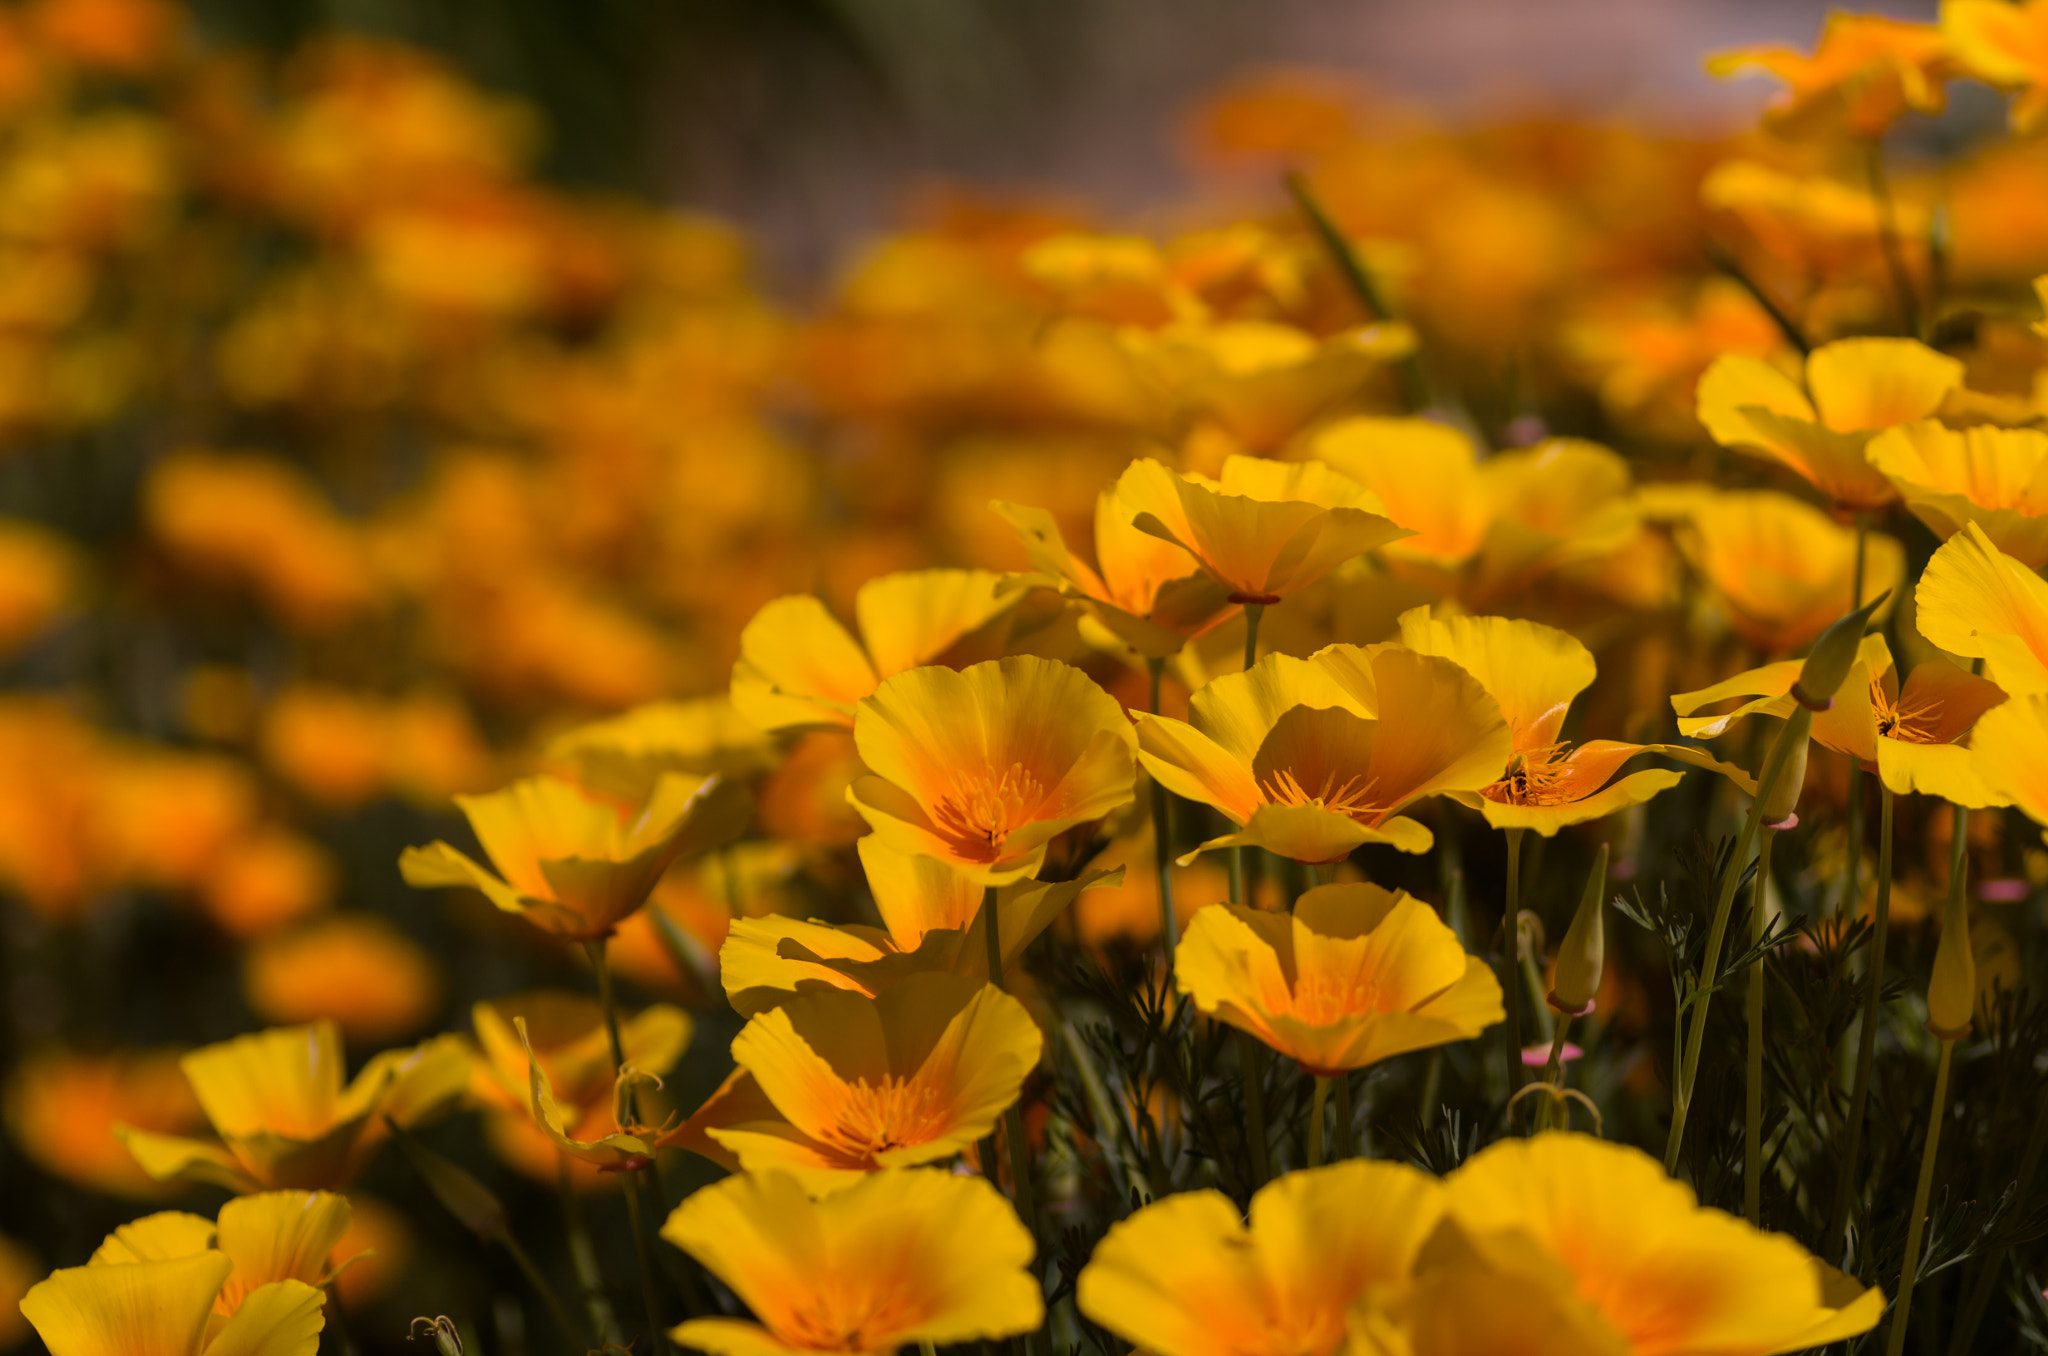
column 1250, row 1066
column 1162, row 839
column 1432, row 1083
column 1866, row 1039
column 1888, row 239
column 1013, row 1117
column 1910, row 1271
column 611, row 1017
column 1794, row 732
column 1340, row 1146
column 1414, row 384
column 1852, row 895
column 1511, row 972
column 604, row 1321
column 991, row 927
column 546, row 1291
column 643, row 1258
column 1318, row 1104
column 1753, row 1100
column 1254, row 613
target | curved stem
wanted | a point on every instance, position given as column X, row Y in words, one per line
column 1162, row 840
column 1013, row 1116
column 1795, row 730
column 1316, row 1106
column 1511, row 971
column 1866, row 1039
column 1909, row 1272
column 1341, row 1144
column 1753, row 1100
column 643, row 1257
column 604, row 1322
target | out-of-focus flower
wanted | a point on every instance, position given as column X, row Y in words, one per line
column 1866, row 70
column 981, row 768
column 936, row 921
column 1781, row 570
column 2010, row 753
column 833, row 1084
column 674, row 941
column 1646, row 354
column 19, row 1269
column 2004, row 44
column 1312, row 757
column 266, row 879
column 1264, row 529
column 1994, row 477
column 1976, row 601
column 1187, row 1276
column 1427, row 477
column 1814, row 225
column 1356, row 974
column 1853, row 390
column 899, row 1257
column 257, row 522
column 277, row 1102
column 1626, row 1254
column 622, row 756
column 1149, row 592
column 40, row 574
column 574, row 865
column 343, row 747
column 799, row 667
column 374, row 1251
column 130, row 37
column 1534, row 672
column 370, row 978
column 1912, row 737
column 62, row 1106
column 566, row 1039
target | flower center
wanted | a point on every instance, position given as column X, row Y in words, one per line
column 1322, row 1000
column 1917, row 726
column 892, row 1114
column 850, row 1318
column 1352, row 796
column 978, row 813
column 1535, row 777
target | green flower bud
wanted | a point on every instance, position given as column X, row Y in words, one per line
column 1784, row 798
column 1827, row 668
column 1952, row 992
column 464, row 1196
column 1582, row 955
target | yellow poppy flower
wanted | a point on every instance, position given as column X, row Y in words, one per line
column 1910, row 736
column 372, row 979
column 1534, row 672
column 1866, row 69
column 1260, row 381
column 935, row 924
column 624, row 756
column 1782, row 571
column 1974, row 600
column 569, row 1042
column 1186, row 1276
column 834, row 1084
column 1667, row 1276
column 2010, row 752
column 1563, row 502
column 572, row 864
column 1468, row 1310
column 276, row 1100
column 1852, row 390
column 62, row 1108
column 1313, row 757
column 178, row 1285
column 798, row 667
column 626, row 1147
column 897, row 1258
column 981, row 767
column 2004, row 44
column 1149, row 592
column 1426, row 474
column 1264, row 529
column 1994, row 477
column 1356, row 974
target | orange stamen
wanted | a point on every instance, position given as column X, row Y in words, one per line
column 980, row 812
column 1352, row 797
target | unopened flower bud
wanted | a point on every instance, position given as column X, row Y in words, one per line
column 1582, row 956
column 1781, row 805
column 1952, row 991
column 1827, row 668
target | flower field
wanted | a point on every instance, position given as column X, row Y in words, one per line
column 1439, row 749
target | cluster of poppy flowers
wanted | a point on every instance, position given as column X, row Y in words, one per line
column 1198, row 589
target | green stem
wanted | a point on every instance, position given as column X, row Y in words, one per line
column 1162, row 840
column 1253, row 613
column 1511, row 972
column 1340, row 1148
column 605, row 1000
column 1013, row 1116
column 1909, row 1272
column 1432, row 1083
column 643, row 1258
column 541, row 1287
column 604, row 1321
column 1866, row 1038
column 1796, row 728
column 1414, row 384
column 1250, row 1067
column 1317, row 1104
column 1753, row 1100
